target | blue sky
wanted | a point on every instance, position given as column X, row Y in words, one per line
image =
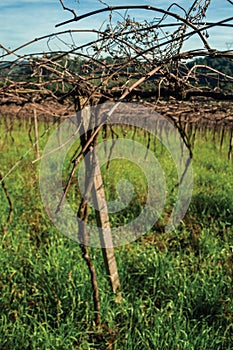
column 21, row 21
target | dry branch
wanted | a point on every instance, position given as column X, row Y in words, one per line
column 128, row 60
column 10, row 213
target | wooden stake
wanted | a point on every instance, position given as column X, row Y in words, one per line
column 103, row 223
column 36, row 134
column 230, row 145
column 99, row 199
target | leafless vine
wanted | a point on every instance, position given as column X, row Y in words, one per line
column 10, row 202
column 126, row 59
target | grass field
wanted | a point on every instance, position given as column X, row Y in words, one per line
column 177, row 287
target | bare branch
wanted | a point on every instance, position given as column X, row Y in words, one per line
column 10, row 213
column 68, row 9
column 139, row 7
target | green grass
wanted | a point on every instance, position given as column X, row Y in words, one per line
column 177, row 287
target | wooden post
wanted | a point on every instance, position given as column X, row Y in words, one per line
column 36, row 134
column 103, row 223
column 98, row 196
column 230, row 145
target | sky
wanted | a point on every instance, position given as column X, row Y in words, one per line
column 25, row 20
